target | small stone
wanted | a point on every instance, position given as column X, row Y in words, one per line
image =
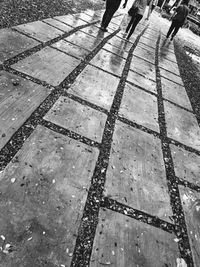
column 3, row 135
column 53, row 181
column 3, row 237
column 13, row 180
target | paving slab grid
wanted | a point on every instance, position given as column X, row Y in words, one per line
column 100, row 148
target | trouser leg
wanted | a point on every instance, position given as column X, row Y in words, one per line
column 171, row 29
column 138, row 17
column 130, row 24
column 176, row 29
column 111, row 8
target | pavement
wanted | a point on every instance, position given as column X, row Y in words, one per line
column 100, row 147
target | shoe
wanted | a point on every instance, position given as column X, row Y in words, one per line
column 103, row 29
column 172, row 38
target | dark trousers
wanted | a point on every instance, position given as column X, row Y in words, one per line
column 175, row 26
column 133, row 22
column 111, row 8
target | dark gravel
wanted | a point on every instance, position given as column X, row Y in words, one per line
column 190, row 75
column 14, row 12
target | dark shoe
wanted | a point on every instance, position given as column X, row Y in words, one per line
column 103, row 29
column 172, row 38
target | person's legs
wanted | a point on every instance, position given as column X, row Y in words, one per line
column 152, row 8
column 176, row 29
column 138, row 17
column 171, row 29
column 130, row 23
column 111, row 8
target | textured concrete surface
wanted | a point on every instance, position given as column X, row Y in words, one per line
column 136, row 174
column 99, row 147
column 12, row 43
column 122, row 242
column 49, row 65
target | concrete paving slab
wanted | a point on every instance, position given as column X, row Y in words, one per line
column 84, row 40
column 149, row 48
column 95, row 86
column 121, row 241
column 148, row 42
column 149, row 33
column 182, row 126
column 169, row 65
column 13, row 43
column 191, row 205
column 140, row 107
column 18, row 99
column 48, row 65
column 39, row 30
column 116, row 50
column 152, row 36
column 84, row 17
column 71, row 49
column 120, row 43
column 166, row 44
column 186, row 164
column 78, row 118
column 143, row 67
column 141, row 81
column 175, row 93
column 170, row 76
column 167, row 54
column 92, row 12
column 108, row 61
column 71, row 20
column 136, row 173
column 41, row 210
column 144, row 54
column 62, row 26
column 117, row 19
column 92, row 30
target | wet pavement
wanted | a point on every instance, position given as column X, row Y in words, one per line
column 100, row 147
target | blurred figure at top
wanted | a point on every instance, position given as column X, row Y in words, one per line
column 152, row 5
column 111, row 8
column 136, row 12
column 178, row 19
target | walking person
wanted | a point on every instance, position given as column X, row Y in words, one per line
column 178, row 19
column 152, row 5
column 111, row 8
column 138, row 7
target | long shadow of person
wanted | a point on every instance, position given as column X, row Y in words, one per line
column 164, row 48
column 117, row 55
